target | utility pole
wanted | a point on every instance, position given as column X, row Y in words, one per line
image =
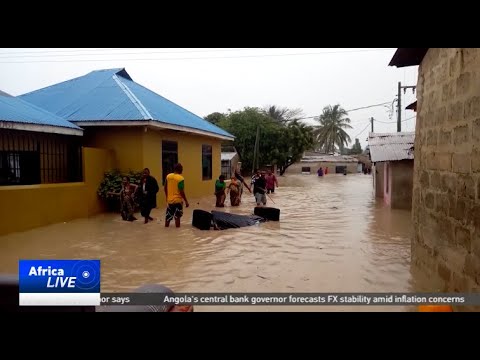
column 399, row 103
column 371, row 120
column 399, row 108
column 255, row 150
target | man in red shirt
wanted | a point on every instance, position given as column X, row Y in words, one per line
column 271, row 180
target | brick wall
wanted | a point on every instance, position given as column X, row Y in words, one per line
column 446, row 193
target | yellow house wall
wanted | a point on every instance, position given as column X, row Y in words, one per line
column 25, row 207
column 125, row 142
column 189, row 155
column 95, row 163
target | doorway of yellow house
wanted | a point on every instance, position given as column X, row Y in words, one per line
column 169, row 157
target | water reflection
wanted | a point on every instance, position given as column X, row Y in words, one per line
column 333, row 237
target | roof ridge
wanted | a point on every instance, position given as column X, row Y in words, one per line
column 170, row 101
column 131, row 96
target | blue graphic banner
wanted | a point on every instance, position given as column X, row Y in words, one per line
column 59, row 276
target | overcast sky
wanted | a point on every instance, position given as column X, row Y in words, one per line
column 208, row 80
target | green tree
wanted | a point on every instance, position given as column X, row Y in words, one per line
column 330, row 133
column 215, row 118
column 280, row 144
column 293, row 142
column 356, row 148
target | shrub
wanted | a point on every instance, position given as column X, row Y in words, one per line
column 112, row 181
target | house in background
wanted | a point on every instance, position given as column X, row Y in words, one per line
column 230, row 161
column 392, row 156
column 312, row 161
column 364, row 162
column 140, row 127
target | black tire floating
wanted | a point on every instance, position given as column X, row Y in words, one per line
column 268, row 213
column 202, row 219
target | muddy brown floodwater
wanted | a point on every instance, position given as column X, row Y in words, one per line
column 333, row 236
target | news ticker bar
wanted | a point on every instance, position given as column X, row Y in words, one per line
column 339, row 299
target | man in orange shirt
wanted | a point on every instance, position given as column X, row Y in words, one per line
column 175, row 193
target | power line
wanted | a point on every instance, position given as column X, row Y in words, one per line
column 394, row 122
column 193, row 58
column 360, row 133
column 383, row 122
column 366, row 107
column 360, row 108
column 67, row 51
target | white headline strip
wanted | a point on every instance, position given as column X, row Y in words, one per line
column 59, row 299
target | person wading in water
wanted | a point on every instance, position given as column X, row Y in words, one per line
column 259, row 189
column 242, row 183
column 220, row 191
column 127, row 203
column 234, row 190
column 271, row 182
column 175, row 193
column 147, row 194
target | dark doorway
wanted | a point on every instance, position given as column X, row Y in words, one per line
column 340, row 169
column 169, row 157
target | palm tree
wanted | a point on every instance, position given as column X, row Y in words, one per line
column 330, row 133
column 282, row 115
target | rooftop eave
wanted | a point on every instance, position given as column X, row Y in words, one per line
column 412, row 106
column 40, row 128
column 153, row 124
column 408, row 57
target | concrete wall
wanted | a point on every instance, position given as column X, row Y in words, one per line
column 402, row 184
column 314, row 166
column 24, row 207
column 379, row 179
column 446, row 195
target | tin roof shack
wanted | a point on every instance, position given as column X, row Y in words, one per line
column 392, row 156
column 312, row 161
column 230, row 162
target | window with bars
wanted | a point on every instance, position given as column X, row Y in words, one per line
column 226, row 169
column 37, row 158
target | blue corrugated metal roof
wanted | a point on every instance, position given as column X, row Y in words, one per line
column 112, row 95
column 16, row 110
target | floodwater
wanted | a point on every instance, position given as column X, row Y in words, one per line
column 333, row 236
